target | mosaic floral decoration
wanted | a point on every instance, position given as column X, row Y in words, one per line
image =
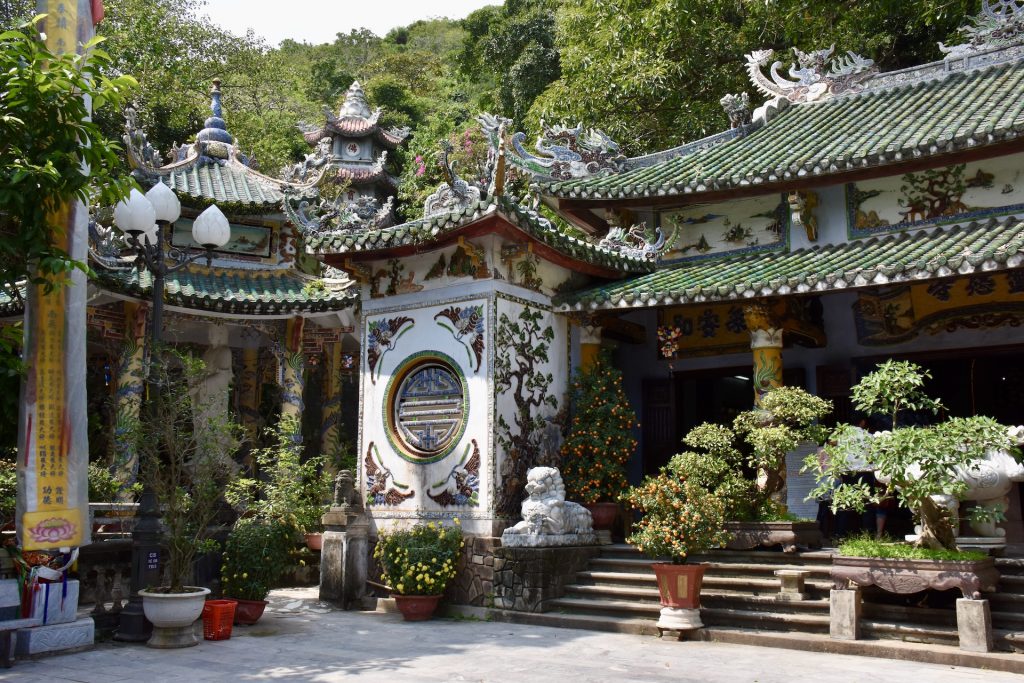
column 467, row 327
column 383, row 334
column 466, row 479
column 377, row 475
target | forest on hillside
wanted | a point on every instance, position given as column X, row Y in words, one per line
column 649, row 73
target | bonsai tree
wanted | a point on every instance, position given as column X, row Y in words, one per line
column 600, row 440
column 286, row 489
column 185, row 467
column 922, row 463
column 785, row 417
column 680, row 516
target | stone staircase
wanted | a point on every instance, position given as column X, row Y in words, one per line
column 618, row 592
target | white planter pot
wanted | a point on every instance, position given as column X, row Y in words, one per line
column 172, row 616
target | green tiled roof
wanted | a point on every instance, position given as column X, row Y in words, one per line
column 897, row 258
column 434, row 228
column 901, row 116
column 232, row 182
column 238, row 291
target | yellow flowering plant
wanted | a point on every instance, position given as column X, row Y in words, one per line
column 421, row 560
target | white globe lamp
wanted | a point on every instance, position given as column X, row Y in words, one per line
column 211, row 229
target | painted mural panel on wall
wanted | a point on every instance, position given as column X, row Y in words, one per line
column 425, row 412
column 959, row 193
column 735, row 227
column 975, row 302
column 246, row 240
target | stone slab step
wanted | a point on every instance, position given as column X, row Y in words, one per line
column 603, row 577
column 1008, row 620
column 723, row 598
column 758, row 584
column 614, row 592
column 636, row 608
column 1012, row 601
column 890, row 649
column 794, row 622
column 644, row 626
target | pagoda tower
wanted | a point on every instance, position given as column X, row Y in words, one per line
column 353, row 147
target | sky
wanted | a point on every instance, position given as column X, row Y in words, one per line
column 317, row 21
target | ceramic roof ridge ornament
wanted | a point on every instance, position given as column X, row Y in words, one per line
column 633, row 242
column 355, row 104
column 454, row 194
column 814, row 76
column 1000, row 24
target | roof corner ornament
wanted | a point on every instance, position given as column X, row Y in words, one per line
column 455, row 193
column 815, row 76
column 1000, row 24
column 633, row 243
column 140, row 152
column 737, row 108
column 301, row 171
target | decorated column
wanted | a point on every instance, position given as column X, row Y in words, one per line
column 766, row 345
column 128, row 397
column 249, row 391
column 330, row 431
column 590, row 342
column 292, row 367
column 52, row 495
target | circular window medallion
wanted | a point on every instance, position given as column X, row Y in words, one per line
column 352, row 149
column 426, row 407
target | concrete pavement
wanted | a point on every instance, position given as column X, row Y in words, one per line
column 301, row 640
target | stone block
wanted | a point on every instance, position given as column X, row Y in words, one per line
column 56, row 603
column 10, row 600
column 791, row 584
column 74, row 635
column 974, row 625
column 844, row 614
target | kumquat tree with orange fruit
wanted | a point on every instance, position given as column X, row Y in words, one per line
column 601, row 439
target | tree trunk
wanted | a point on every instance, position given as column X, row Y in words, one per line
column 936, row 530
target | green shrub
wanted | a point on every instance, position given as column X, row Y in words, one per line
column 256, row 554
column 866, row 545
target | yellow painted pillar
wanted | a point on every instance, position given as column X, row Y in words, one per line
column 766, row 346
column 292, row 370
column 330, row 431
column 128, row 395
column 249, row 383
column 590, row 343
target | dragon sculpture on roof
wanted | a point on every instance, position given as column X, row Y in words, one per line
column 814, row 76
column 1000, row 24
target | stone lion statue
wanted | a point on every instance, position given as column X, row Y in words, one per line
column 548, row 519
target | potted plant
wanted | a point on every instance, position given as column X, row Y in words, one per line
column 756, row 510
column 923, row 466
column 186, row 465
column 256, row 554
column 417, row 564
column 680, row 518
column 600, row 440
column 285, row 488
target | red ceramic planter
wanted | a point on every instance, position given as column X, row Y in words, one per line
column 417, row 607
column 248, row 612
column 679, row 584
column 603, row 514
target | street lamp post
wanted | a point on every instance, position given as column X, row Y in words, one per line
column 146, row 220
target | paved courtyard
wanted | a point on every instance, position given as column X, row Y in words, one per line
column 301, row 640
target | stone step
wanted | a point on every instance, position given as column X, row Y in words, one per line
column 713, row 598
column 725, row 616
column 761, row 585
column 1013, row 621
column 617, row 578
column 1011, row 583
column 1007, row 601
column 914, row 633
column 613, row 592
column 644, row 626
column 631, row 608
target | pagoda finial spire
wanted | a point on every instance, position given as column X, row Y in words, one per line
column 355, row 104
column 215, row 129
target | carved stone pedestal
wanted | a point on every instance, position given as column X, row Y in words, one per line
column 75, row 635
column 674, row 619
column 343, row 559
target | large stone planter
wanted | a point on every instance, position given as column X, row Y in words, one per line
column 911, row 576
column 172, row 615
column 790, row 535
column 679, row 589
